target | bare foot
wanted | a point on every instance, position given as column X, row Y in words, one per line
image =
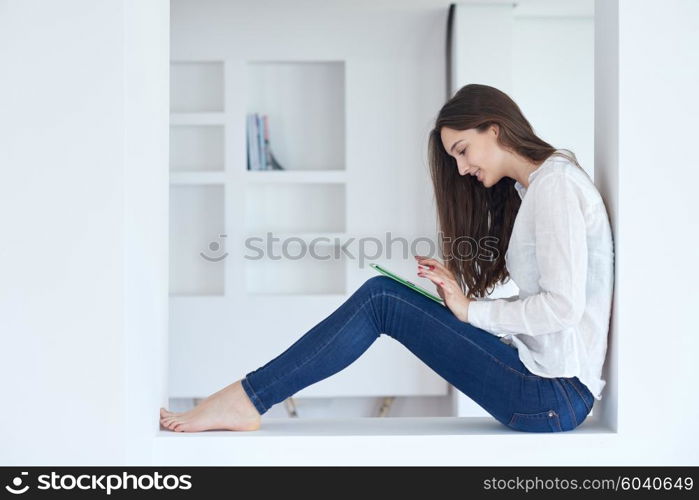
column 228, row 409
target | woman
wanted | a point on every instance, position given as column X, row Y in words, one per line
column 533, row 361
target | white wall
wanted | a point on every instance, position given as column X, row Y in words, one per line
column 539, row 52
column 650, row 178
column 146, row 219
column 553, row 69
column 82, row 212
column 606, row 177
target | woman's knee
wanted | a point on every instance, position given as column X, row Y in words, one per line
column 380, row 283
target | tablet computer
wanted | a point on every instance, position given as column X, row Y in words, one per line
column 407, row 283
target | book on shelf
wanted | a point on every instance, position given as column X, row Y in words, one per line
column 260, row 155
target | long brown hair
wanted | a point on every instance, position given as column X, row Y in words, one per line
column 465, row 208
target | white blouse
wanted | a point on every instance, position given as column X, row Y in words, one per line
column 561, row 257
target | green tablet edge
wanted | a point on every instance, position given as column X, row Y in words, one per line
column 407, row 283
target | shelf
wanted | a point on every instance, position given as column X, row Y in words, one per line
column 196, row 178
column 295, row 207
column 305, row 236
column 196, row 87
column 304, row 203
column 197, row 118
column 196, row 147
column 375, row 441
column 291, row 176
column 204, row 295
column 305, row 106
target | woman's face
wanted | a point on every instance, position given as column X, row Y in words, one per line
column 477, row 154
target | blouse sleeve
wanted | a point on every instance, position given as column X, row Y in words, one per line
column 561, row 255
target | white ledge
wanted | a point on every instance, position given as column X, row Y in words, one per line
column 380, row 441
column 379, row 426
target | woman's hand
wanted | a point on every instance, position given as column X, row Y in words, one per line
column 447, row 287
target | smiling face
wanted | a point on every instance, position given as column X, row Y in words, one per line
column 476, row 153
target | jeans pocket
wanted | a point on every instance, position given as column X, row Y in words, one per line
column 543, row 421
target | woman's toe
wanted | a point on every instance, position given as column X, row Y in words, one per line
column 168, row 413
column 180, row 426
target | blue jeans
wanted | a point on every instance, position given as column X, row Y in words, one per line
column 476, row 362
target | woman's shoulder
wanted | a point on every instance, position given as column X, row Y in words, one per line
column 566, row 170
column 564, row 161
column 564, row 165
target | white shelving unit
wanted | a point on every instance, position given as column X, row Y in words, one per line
column 236, row 300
